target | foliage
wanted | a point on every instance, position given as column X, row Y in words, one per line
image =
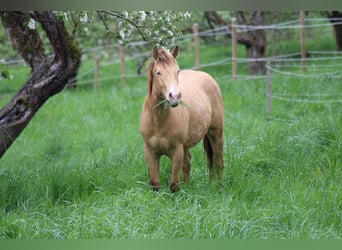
column 4, row 73
column 86, row 176
column 155, row 27
column 78, row 170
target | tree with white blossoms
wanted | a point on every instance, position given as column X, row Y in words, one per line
column 49, row 76
column 156, row 27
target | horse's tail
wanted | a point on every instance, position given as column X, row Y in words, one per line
column 209, row 151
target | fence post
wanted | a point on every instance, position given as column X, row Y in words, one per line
column 234, row 49
column 302, row 39
column 196, row 45
column 268, row 92
column 122, row 65
column 97, row 73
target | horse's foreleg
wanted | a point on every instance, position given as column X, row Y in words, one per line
column 152, row 160
column 186, row 165
column 177, row 162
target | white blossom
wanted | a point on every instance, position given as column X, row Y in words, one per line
column 156, row 27
column 187, row 14
column 122, row 34
column 84, row 17
column 31, row 24
column 142, row 15
column 65, row 16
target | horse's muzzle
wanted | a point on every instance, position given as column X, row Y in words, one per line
column 174, row 99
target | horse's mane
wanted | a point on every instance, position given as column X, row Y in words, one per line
column 165, row 58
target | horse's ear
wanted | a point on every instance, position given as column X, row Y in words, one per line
column 175, row 52
column 155, row 53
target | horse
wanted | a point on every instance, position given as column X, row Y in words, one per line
column 182, row 107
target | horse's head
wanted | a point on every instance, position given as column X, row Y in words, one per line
column 163, row 76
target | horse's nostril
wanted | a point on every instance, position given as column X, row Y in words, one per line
column 176, row 96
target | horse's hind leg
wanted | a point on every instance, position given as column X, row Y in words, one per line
column 213, row 145
column 186, row 165
column 209, row 152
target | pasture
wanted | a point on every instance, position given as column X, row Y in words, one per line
column 78, row 170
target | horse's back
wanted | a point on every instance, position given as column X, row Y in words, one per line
column 200, row 81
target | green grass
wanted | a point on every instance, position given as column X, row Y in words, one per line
column 78, row 169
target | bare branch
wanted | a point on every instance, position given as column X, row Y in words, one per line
column 113, row 14
column 105, row 24
column 240, row 16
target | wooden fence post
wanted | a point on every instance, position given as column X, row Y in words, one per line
column 234, row 49
column 268, row 92
column 122, row 65
column 97, row 73
column 302, row 39
column 196, row 45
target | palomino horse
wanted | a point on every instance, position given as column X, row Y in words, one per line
column 181, row 109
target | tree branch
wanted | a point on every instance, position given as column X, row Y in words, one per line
column 63, row 44
column 240, row 17
column 137, row 27
column 23, row 39
column 46, row 79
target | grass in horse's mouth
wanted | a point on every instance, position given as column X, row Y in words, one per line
column 183, row 104
column 165, row 103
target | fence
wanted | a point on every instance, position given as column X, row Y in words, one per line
column 233, row 30
column 302, row 24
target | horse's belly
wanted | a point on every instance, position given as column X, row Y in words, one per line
column 198, row 126
column 196, row 134
column 159, row 143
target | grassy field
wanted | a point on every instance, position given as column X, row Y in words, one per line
column 78, row 170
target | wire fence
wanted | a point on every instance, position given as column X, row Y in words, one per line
column 326, row 63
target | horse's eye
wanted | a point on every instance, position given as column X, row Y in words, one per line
column 158, row 73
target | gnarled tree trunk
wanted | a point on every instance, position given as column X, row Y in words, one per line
column 47, row 77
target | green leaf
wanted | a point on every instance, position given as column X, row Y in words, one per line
column 4, row 73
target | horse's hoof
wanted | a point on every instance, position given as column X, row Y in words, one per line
column 174, row 187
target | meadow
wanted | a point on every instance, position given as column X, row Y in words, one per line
column 78, row 170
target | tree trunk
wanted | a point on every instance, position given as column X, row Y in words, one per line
column 255, row 54
column 337, row 27
column 47, row 77
column 338, row 36
column 254, row 41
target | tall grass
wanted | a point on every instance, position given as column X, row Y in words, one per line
column 78, row 170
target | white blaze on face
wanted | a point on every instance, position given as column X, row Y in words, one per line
column 173, row 95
